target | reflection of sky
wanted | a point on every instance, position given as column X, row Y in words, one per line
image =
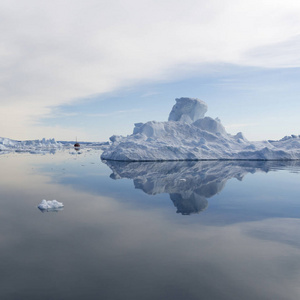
column 257, row 196
column 88, row 174
column 101, row 246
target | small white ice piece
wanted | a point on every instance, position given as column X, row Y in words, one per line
column 50, row 205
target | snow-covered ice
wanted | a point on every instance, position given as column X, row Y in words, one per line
column 44, row 146
column 31, row 146
column 188, row 110
column 189, row 135
column 50, row 205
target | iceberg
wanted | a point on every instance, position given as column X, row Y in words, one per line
column 31, row 146
column 190, row 135
column 44, row 146
column 50, row 205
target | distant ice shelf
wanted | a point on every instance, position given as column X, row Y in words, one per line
column 189, row 135
column 42, row 146
column 32, row 146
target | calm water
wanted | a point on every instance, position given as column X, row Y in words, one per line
column 186, row 230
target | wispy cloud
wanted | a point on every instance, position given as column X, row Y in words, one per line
column 55, row 114
column 281, row 54
column 240, row 125
column 148, row 94
column 114, row 113
column 55, row 52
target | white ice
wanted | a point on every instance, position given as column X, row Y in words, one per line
column 32, row 146
column 50, row 205
column 188, row 110
column 43, row 146
column 189, row 135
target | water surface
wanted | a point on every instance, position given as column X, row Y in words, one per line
column 171, row 230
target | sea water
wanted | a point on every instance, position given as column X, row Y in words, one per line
column 166, row 230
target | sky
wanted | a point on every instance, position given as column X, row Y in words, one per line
column 90, row 69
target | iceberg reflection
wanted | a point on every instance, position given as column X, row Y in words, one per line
column 43, row 210
column 190, row 183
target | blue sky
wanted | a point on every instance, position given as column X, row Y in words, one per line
column 92, row 69
column 262, row 103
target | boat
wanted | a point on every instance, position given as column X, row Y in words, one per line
column 77, row 145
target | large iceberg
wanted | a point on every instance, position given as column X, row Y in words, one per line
column 189, row 135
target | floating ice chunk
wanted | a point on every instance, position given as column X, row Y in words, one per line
column 50, row 205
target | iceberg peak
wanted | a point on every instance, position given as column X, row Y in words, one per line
column 188, row 110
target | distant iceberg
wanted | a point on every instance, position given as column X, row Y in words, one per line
column 31, row 146
column 189, row 135
column 50, row 205
column 44, row 146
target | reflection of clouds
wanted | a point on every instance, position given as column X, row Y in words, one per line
column 189, row 183
column 116, row 251
column 285, row 231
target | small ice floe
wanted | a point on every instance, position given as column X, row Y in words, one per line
column 51, row 205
